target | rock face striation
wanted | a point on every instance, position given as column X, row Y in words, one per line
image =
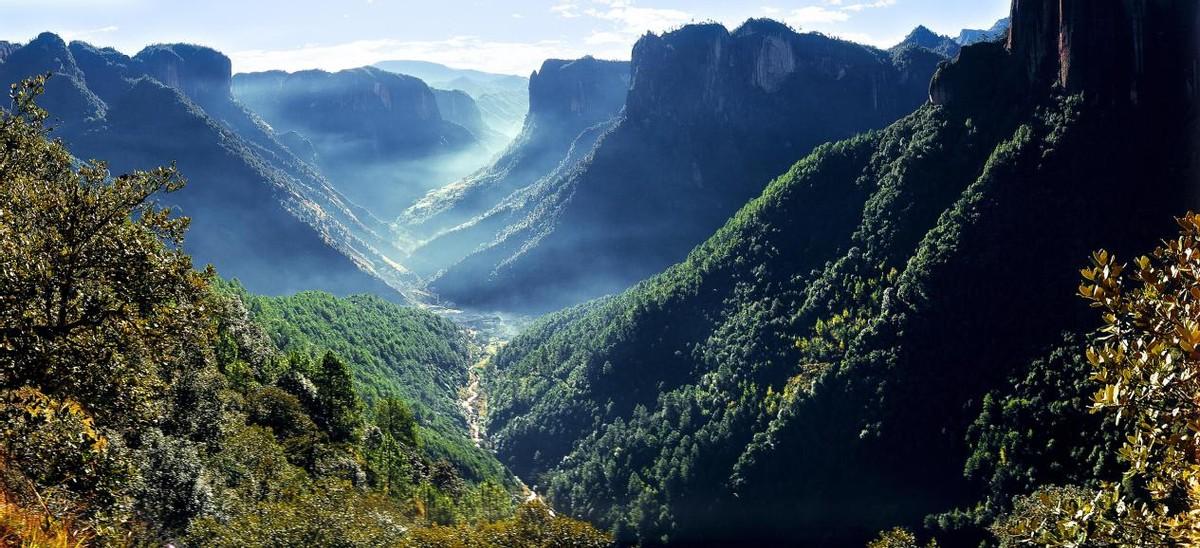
column 258, row 212
column 711, row 116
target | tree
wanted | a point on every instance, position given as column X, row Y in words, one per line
column 396, row 419
column 92, row 275
column 339, row 410
column 1147, row 357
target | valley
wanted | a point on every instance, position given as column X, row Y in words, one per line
column 611, row 273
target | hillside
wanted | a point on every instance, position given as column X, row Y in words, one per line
column 711, row 115
column 259, row 212
column 816, row 371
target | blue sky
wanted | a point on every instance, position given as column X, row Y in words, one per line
column 509, row 37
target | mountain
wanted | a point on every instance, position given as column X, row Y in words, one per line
column 502, row 98
column 7, row 48
column 711, row 116
column 379, row 136
column 922, row 37
column 258, row 212
column 822, row 367
column 566, row 99
column 459, row 108
column 949, row 47
column 974, row 36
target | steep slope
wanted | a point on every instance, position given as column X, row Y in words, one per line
column 808, row 374
column 380, row 137
column 710, row 117
column 258, row 213
column 395, row 352
column 566, row 98
column 503, row 99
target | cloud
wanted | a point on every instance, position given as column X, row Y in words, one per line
column 462, row 52
column 570, row 10
column 86, row 34
column 635, row 19
column 810, row 15
column 868, row 5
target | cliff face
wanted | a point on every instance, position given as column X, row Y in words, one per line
column 196, row 70
column 566, row 97
column 577, row 93
column 1134, row 52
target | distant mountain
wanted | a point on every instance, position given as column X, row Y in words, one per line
column 502, row 98
column 7, row 48
column 566, row 99
column 949, row 47
column 457, row 107
column 711, row 116
column 379, row 136
column 877, row 339
column 975, row 36
column 922, row 37
column 258, row 212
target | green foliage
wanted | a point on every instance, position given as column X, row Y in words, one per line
column 1146, row 359
column 534, row 525
column 139, row 405
column 339, row 411
column 393, row 352
column 396, row 420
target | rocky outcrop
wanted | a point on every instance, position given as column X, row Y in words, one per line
column 197, row 71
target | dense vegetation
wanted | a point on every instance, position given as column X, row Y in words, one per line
column 141, row 405
column 395, row 352
column 888, row 315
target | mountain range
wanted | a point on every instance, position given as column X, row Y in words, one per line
column 709, row 118
column 950, row 46
column 883, row 336
column 259, row 212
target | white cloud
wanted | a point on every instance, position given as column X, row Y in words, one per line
column 637, row 20
column 461, row 52
column 569, row 10
column 811, row 15
column 868, row 5
column 87, row 34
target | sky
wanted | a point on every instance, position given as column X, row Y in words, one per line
column 510, row 37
